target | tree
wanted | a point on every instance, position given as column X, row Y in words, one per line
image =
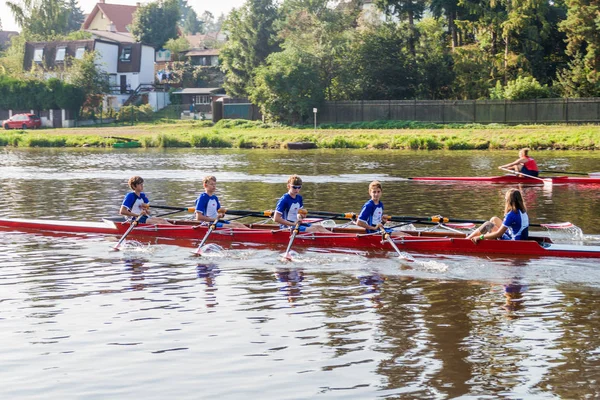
column 381, row 65
column 43, row 18
column 192, row 25
column 405, row 10
column 85, row 74
column 156, row 22
column 252, row 37
column 582, row 28
column 176, row 46
column 288, row 86
column 75, row 17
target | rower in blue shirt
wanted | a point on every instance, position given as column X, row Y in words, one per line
column 136, row 204
column 515, row 225
column 289, row 208
column 208, row 206
column 371, row 215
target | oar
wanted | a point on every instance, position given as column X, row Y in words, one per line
column 438, row 219
column 387, row 238
column 571, row 172
column 269, row 213
column 188, row 209
column 211, row 228
column 133, row 225
column 295, row 231
column 547, row 181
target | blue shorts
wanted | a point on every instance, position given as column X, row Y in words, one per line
column 301, row 228
column 219, row 224
column 525, row 171
column 142, row 220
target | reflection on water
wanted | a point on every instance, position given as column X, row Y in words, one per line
column 244, row 324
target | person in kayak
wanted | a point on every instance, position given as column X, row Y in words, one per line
column 524, row 164
column 136, row 204
column 208, row 206
column 289, row 209
column 515, row 225
column 371, row 215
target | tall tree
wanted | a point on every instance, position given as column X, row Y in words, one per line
column 156, row 22
column 252, row 38
column 405, row 10
column 192, row 25
column 42, row 18
column 75, row 16
column 582, row 28
column 288, row 86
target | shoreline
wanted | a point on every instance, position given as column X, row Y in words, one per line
column 184, row 134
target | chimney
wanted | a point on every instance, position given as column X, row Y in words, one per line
column 102, row 1
column 138, row 4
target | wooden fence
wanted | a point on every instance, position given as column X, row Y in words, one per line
column 541, row 111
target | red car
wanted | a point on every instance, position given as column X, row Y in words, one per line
column 22, row 121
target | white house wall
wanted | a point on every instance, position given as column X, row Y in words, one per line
column 147, row 65
column 108, row 56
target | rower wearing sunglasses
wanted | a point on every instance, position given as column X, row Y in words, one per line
column 289, row 208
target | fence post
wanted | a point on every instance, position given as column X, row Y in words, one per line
column 505, row 111
column 390, row 109
column 415, row 110
column 535, row 111
column 474, row 111
column 443, row 111
column 567, row 110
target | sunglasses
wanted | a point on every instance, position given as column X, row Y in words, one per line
column 297, row 187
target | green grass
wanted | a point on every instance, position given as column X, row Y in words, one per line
column 255, row 134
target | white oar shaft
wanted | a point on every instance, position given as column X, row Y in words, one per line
column 546, row 181
column 295, row 231
column 211, row 228
column 133, row 225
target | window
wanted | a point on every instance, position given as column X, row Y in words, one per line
column 125, row 54
column 202, row 99
column 60, row 53
column 38, row 55
column 79, row 53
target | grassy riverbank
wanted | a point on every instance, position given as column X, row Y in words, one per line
column 239, row 134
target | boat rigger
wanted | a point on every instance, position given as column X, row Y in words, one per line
column 441, row 242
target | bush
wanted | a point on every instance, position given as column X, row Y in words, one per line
column 523, row 88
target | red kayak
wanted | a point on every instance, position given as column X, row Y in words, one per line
column 512, row 179
column 340, row 238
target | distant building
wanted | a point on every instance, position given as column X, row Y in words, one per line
column 5, row 38
column 204, row 57
column 110, row 17
column 130, row 66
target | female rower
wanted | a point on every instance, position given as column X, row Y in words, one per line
column 524, row 164
column 515, row 225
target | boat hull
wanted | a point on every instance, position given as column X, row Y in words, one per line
column 343, row 239
column 510, row 179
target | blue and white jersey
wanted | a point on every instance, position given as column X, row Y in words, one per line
column 371, row 213
column 288, row 207
column 133, row 202
column 208, row 205
column 517, row 224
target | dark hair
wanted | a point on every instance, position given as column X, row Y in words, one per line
column 514, row 201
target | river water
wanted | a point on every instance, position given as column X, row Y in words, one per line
column 79, row 321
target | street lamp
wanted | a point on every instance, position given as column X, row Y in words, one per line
column 315, row 112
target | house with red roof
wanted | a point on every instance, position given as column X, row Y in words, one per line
column 110, row 17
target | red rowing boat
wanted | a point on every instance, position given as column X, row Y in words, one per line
column 340, row 238
column 512, row 179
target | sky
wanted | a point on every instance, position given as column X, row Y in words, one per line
column 215, row 7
